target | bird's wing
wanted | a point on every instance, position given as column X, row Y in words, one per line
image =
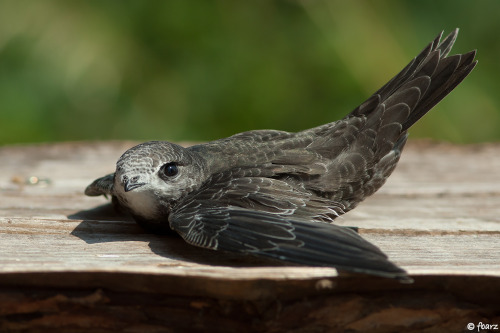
column 101, row 186
column 261, row 188
column 251, row 215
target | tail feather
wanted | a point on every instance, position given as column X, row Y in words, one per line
column 447, row 43
column 432, row 73
column 448, row 75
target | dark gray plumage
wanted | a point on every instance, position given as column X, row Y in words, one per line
column 269, row 193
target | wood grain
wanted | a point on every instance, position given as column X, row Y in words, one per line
column 71, row 262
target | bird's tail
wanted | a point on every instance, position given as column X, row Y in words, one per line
column 365, row 146
column 423, row 83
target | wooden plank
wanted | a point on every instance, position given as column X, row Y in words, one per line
column 438, row 216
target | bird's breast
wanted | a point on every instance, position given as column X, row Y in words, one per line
column 143, row 204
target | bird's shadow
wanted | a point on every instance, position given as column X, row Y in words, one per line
column 104, row 224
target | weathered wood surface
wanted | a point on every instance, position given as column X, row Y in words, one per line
column 69, row 262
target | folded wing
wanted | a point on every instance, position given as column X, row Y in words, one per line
column 219, row 217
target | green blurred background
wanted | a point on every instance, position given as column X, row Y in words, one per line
column 201, row 70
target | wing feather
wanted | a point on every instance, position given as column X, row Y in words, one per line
column 101, row 186
column 268, row 217
column 290, row 239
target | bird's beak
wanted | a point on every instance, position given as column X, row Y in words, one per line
column 130, row 185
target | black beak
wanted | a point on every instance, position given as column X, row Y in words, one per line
column 131, row 185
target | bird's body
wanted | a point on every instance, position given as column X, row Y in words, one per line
column 269, row 193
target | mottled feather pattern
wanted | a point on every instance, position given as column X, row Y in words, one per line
column 273, row 193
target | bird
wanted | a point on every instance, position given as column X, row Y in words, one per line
column 275, row 194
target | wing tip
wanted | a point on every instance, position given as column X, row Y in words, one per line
column 405, row 279
column 394, row 273
column 100, row 186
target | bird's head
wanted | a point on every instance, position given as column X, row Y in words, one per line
column 151, row 176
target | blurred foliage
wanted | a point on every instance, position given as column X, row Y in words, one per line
column 201, row 70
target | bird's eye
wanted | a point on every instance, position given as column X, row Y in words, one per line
column 170, row 169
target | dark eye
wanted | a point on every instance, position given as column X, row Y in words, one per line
column 170, row 169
